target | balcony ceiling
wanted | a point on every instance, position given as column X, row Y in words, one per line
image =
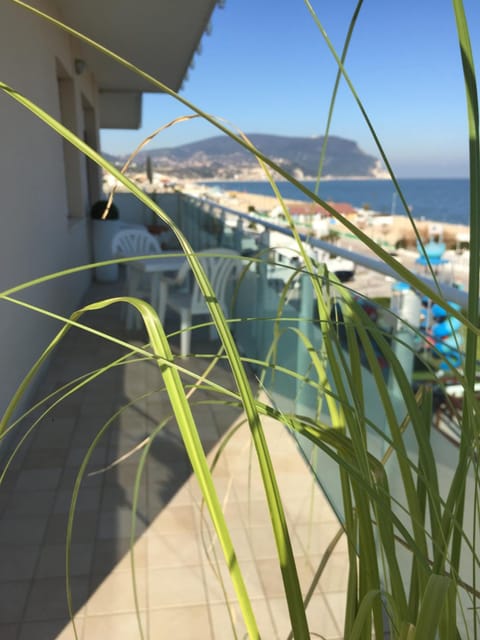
column 159, row 36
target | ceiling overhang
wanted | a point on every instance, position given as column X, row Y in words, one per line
column 120, row 109
column 160, row 37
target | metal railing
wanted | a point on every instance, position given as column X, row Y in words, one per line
column 192, row 210
column 266, row 328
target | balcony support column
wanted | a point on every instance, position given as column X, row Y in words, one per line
column 305, row 395
column 408, row 310
column 238, row 236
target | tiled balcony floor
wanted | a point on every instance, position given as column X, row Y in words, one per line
column 180, row 595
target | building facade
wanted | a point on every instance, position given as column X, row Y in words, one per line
column 48, row 186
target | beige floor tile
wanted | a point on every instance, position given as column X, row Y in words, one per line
column 77, row 455
column 315, row 538
column 242, row 543
column 321, row 619
column 123, row 626
column 39, row 457
column 219, row 583
column 224, row 486
column 271, row 576
column 56, row 435
column 308, row 506
column 255, row 513
column 244, row 467
column 289, row 463
column 84, row 528
column 69, row 478
column 13, row 596
column 231, row 511
column 52, row 561
column 335, row 575
column 115, row 554
column 123, row 474
column 337, row 605
column 219, row 466
column 176, row 586
column 118, row 523
column 175, row 519
column 9, row 631
column 85, row 437
column 182, row 496
column 122, row 496
column 239, row 443
column 280, row 617
column 48, row 601
column 17, row 563
column 125, row 433
column 262, row 542
column 173, row 550
column 57, row 629
column 87, row 500
column 227, row 617
column 22, row 531
column 116, row 594
column 39, row 479
column 249, row 489
column 181, row 623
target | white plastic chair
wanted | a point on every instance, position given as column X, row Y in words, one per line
column 128, row 243
column 221, row 267
column 134, row 242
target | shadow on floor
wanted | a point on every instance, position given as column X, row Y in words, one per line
column 36, row 493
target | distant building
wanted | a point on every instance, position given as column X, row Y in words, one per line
column 312, row 209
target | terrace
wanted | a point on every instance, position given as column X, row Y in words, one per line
column 182, row 586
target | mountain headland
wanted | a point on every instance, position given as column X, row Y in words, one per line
column 221, row 158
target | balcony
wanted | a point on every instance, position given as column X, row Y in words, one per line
column 182, row 587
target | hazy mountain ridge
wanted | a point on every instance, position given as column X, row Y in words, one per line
column 221, row 157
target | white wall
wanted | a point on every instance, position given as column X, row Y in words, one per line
column 37, row 235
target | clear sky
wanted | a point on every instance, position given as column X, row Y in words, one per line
column 265, row 68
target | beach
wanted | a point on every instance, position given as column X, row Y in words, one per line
column 391, row 229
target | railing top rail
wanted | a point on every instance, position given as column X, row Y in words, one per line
column 450, row 292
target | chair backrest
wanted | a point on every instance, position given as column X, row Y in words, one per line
column 134, row 242
column 221, row 267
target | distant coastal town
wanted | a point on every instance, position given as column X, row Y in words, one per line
column 394, row 231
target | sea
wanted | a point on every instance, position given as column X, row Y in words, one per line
column 436, row 199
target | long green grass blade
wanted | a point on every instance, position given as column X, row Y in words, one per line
column 433, row 601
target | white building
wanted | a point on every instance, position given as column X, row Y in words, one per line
column 47, row 187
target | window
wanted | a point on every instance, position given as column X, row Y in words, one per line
column 71, row 156
column 91, row 138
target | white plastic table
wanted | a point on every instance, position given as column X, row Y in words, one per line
column 155, row 267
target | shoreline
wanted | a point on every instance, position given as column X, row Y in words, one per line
column 389, row 228
column 304, row 179
column 324, row 179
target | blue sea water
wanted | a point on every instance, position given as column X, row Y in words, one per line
column 438, row 199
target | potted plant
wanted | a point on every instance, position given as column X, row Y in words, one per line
column 105, row 224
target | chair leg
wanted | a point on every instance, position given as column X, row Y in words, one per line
column 212, row 332
column 129, row 317
column 160, row 300
column 185, row 336
column 131, row 282
column 137, row 320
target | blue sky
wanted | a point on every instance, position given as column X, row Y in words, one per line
column 266, row 69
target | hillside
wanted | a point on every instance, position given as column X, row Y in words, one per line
column 221, row 158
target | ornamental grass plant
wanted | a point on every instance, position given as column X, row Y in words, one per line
column 411, row 528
